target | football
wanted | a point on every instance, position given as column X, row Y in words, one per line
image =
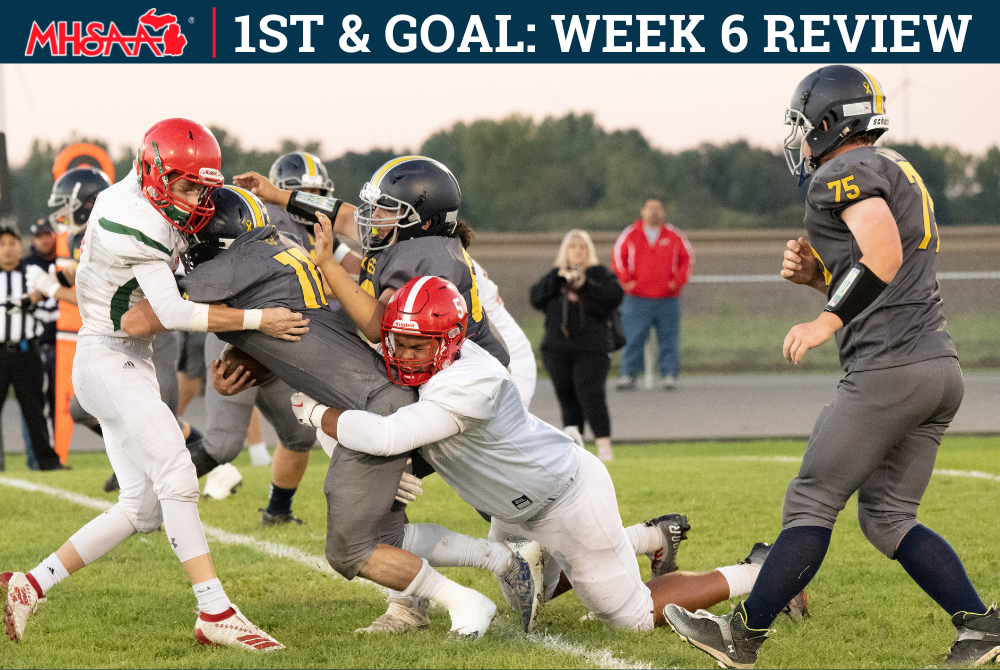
column 237, row 357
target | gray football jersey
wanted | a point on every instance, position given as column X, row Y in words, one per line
column 906, row 323
column 265, row 268
column 440, row 257
column 284, row 222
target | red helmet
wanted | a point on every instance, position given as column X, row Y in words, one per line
column 177, row 149
column 427, row 307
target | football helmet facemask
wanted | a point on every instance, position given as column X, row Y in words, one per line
column 74, row 194
column 429, row 307
column 173, row 150
column 849, row 101
column 237, row 211
column 410, row 196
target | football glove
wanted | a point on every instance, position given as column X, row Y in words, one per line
column 308, row 411
column 46, row 283
column 409, row 487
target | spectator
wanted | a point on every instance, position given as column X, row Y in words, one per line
column 42, row 259
column 653, row 261
column 578, row 296
column 20, row 360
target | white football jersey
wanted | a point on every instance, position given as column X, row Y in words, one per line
column 505, row 461
column 522, row 359
column 124, row 230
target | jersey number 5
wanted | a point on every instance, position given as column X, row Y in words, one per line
column 850, row 190
column 304, row 268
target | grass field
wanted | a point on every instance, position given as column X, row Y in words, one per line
column 133, row 608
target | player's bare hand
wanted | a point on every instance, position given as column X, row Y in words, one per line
column 239, row 380
column 262, row 187
column 800, row 266
column 283, row 324
column 324, row 239
column 806, row 336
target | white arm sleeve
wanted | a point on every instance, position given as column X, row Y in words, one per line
column 174, row 312
column 408, row 428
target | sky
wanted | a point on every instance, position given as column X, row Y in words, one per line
column 344, row 106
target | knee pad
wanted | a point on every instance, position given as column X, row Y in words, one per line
column 885, row 529
column 147, row 518
column 341, row 558
column 803, row 507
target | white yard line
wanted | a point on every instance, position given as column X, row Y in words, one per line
column 946, row 472
column 601, row 658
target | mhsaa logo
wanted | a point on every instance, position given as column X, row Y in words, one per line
column 159, row 32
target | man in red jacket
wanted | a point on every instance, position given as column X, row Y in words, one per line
column 653, row 261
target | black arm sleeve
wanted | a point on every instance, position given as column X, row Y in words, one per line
column 307, row 204
column 602, row 288
column 546, row 288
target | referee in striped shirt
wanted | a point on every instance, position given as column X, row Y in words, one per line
column 20, row 360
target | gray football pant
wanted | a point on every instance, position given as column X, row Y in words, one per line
column 229, row 416
column 166, row 350
column 332, row 365
column 879, row 437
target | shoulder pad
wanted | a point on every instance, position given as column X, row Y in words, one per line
column 849, row 178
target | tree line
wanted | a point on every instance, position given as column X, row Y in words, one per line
column 518, row 174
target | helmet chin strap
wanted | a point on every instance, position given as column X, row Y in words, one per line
column 803, row 173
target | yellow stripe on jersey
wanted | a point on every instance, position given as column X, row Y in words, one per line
column 388, row 166
column 252, row 202
column 310, row 164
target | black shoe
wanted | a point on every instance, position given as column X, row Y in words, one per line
column 673, row 529
column 111, row 483
column 978, row 638
column 267, row 519
column 725, row 638
column 797, row 608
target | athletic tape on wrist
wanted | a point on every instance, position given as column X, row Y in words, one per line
column 199, row 318
column 856, row 293
column 317, row 423
column 341, row 252
column 307, row 204
column 251, row 319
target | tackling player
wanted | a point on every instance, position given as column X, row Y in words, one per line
column 139, row 229
column 530, row 477
column 872, row 248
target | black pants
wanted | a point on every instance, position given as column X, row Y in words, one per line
column 25, row 371
column 579, row 378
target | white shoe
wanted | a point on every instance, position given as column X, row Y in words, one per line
column 232, row 629
column 20, row 601
column 259, row 455
column 605, row 453
column 403, row 615
column 574, row 432
column 470, row 620
column 668, row 383
column 522, row 583
column 222, row 482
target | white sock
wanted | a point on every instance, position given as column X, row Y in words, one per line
column 445, row 548
column 470, row 611
column 49, row 572
column 645, row 539
column 741, row 578
column 183, row 527
column 212, row 598
column 259, row 454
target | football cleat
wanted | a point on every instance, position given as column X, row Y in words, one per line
column 232, row 629
column 403, row 615
column 673, row 530
column 222, row 482
column 111, row 483
column 978, row 638
column 522, row 583
column 267, row 519
column 798, row 607
column 20, row 601
column 724, row 638
column 470, row 620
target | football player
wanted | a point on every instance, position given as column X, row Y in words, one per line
column 130, row 252
column 872, row 248
column 530, row 477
